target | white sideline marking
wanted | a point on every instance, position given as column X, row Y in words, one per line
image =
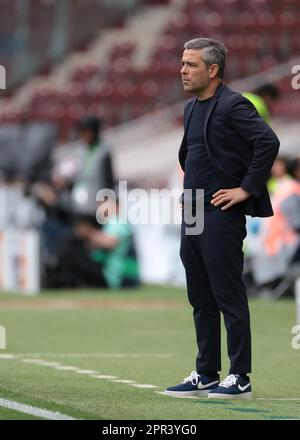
column 86, row 372
column 102, row 376
column 123, row 381
column 256, row 398
column 142, row 385
column 283, row 399
column 49, row 364
column 40, row 362
column 178, row 397
column 91, row 373
column 7, row 356
column 33, row 361
column 93, row 355
column 33, row 411
column 66, row 368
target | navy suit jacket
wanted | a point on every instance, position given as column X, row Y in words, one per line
column 240, row 145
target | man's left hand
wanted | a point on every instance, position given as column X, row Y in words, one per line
column 231, row 196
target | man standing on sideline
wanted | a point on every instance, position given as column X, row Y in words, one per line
column 227, row 150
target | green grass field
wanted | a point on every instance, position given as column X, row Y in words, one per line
column 146, row 336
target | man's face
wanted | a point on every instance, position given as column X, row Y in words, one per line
column 196, row 77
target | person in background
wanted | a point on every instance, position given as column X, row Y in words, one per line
column 279, row 236
column 293, row 167
column 94, row 257
column 96, row 172
column 68, row 201
column 279, row 172
column 263, row 99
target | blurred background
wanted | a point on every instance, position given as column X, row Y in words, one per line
column 94, row 96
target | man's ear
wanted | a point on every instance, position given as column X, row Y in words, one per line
column 213, row 70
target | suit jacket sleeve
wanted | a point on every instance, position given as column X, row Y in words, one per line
column 246, row 122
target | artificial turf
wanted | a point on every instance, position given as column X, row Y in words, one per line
column 146, row 336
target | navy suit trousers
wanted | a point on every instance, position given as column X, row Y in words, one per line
column 213, row 262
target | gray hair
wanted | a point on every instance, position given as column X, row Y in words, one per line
column 213, row 52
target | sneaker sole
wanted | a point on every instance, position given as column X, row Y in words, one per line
column 196, row 393
column 242, row 396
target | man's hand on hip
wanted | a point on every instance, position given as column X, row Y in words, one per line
column 231, row 196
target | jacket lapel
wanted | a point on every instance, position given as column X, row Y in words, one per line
column 187, row 118
column 211, row 106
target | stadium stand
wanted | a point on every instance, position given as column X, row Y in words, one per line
column 122, row 75
column 121, row 63
column 36, row 33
